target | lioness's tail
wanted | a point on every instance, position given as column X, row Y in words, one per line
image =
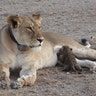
column 85, row 42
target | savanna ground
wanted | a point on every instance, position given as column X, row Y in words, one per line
column 75, row 18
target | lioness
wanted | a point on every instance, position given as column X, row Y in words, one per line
column 41, row 48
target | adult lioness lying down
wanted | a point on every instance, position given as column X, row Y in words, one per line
column 41, row 48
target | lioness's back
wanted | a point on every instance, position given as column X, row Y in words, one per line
column 60, row 39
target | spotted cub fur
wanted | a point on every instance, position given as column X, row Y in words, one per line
column 66, row 58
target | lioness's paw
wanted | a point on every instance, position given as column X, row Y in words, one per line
column 18, row 84
column 4, row 85
column 26, row 80
column 15, row 85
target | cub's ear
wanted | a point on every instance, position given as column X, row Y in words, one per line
column 37, row 18
column 71, row 49
column 14, row 21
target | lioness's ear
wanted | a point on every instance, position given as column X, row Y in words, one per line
column 14, row 21
column 37, row 18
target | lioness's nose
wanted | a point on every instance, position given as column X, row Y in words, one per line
column 40, row 40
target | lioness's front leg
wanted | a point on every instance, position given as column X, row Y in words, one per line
column 4, row 76
column 27, row 77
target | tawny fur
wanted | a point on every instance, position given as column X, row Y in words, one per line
column 27, row 31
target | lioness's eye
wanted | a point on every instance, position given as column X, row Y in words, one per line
column 29, row 28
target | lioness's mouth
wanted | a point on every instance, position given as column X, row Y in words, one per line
column 35, row 46
column 25, row 47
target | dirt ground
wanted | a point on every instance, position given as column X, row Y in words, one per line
column 75, row 18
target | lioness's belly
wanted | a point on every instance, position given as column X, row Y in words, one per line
column 48, row 62
column 46, row 59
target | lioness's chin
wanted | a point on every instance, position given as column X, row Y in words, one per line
column 37, row 49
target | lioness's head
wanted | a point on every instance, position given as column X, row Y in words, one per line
column 27, row 29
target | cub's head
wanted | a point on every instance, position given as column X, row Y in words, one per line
column 27, row 29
